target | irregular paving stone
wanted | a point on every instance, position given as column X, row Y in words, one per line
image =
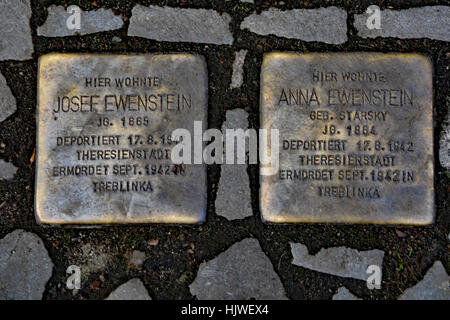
column 241, row 272
column 434, row 286
column 7, row 101
column 7, row 170
column 238, row 69
column 444, row 146
column 137, row 258
column 90, row 22
column 131, row 290
column 92, row 259
column 431, row 22
column 180, row 25
column 233, row 196
column 338, row 261
column 15, row 42
column 344, row 294
column 327, row 25
column 25, row 266
column 236, row 119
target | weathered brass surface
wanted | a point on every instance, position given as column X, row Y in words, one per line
column 356, row 138
column 103, row 145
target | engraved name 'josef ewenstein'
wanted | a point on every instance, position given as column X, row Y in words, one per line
column 104, row 138
column 356, row 138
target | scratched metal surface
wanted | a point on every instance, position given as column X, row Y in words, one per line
column 172, row 197
column 407, row 201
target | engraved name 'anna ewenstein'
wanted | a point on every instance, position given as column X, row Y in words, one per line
column 347, row 95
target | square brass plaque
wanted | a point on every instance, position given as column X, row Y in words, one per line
column 104, row 138
column 356, row 138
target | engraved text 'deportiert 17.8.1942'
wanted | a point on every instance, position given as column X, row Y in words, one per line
column 356, row 138
column 104, row 138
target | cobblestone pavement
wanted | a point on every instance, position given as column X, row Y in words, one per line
column 233, row 254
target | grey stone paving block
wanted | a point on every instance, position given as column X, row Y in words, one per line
column 7, row 170
column 233, row 195
column 137, row 258
column 92, row 259
column 344, row 294
column 338, row 261
column 236, row 119
column 241, row 272
column 238, row 69
column 15, row 42
column 327, row 25
column 444, row 145
column 25, row 266
column 180, row 25
column 91, row 22
column 7, row 101
column 434, row 286
column 431, row 22
column 132, row 290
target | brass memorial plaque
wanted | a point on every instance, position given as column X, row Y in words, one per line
column 104, row 138
column 355, row 138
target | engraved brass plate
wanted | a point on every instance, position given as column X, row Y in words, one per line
column 104, row 138
column 356, row 138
